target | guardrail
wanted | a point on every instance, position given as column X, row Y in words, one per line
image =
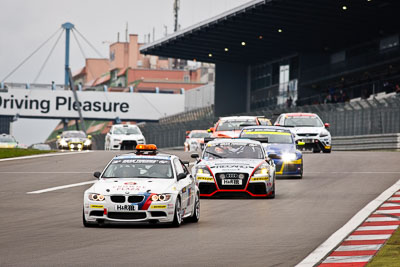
column 366, row 142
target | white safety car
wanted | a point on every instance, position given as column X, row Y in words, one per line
column 307, row 128
column 235, row 166
column 142, row 187
column 123, row 137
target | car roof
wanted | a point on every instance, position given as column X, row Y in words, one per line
column 300, row 114
column 268, row 127
column 136, row 156
column 238, row 118
column 124, row 125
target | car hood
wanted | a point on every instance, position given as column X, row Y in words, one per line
column 279, row 148
column 306, row 130
column 111, row 186
column 128, row 136
column 195, row 140
column 232, row 165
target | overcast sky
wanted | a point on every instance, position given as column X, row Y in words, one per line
column 26, row 24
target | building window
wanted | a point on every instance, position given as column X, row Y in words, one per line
column 112, row 55
column 338, row 57
column 389, row 42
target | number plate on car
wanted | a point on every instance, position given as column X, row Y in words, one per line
column 308, row 141
column 126, row 208
column 231, row 182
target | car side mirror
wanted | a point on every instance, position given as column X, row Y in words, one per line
column 97, row 174
column 327, row 125
column 194, row 156
column 301, row 143
column 58, row 137
column 181, row 176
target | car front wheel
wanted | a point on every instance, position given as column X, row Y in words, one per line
column 178, row 214
column 196, row 211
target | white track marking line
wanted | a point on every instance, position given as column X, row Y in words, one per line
column 354, row 172
column 391, row 205
column 359, row 247
column 381, row 219
column 347, row 259
column 45, row 172
column 60, row 187
column 320, row 252
column 367, row 237
column 374, row 228
column 394, row 198
column 45, row 155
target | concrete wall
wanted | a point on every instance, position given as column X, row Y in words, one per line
column 199, row 97
column 231, row 88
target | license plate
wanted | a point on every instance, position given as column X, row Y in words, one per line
column 308, row 141
column 231, row 182
column 126, row 208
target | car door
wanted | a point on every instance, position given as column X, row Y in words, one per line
column 184, row 184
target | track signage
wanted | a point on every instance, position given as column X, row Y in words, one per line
column 94, row 105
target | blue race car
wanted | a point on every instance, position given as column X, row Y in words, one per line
column 280, row 146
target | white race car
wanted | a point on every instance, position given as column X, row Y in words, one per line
column 235, row 166
column 123, row 137
column 142, row 187
column 307, row 128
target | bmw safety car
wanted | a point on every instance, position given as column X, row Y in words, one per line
column 235, row 166
column 307, row 128
column 142, row 187
column 280, row 146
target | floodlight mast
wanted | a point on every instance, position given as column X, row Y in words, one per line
column 68, row 27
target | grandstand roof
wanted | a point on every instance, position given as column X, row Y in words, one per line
column 272, row 29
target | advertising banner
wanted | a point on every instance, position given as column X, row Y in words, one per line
column 94, row 105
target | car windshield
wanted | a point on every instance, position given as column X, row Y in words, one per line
column 231, row 125
column 199, row 135
column 74, row 135
column 139, row 168
column 233, row 150
column 126, row 130
column 273, row 137
column 7, row 139
column 303, row 121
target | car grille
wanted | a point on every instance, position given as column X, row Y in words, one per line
column 118, row 199
column 242, row 186
column 96, row 213
column 307, row 134
column 127, row 215
column 257, row 188
column 207, row 188
column 290, row 168
column 128, row 145
column 135, row 199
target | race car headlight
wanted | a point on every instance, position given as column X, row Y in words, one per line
column 203, row 171
column 324, row 133
column 87, row 142
column 161, row 197
column 287, row 157
column 63, row 142
column 262, row 170
column 96, row 197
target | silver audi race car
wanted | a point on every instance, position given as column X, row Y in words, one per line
column 74, row 140
column 234, row 167
column 142, row 187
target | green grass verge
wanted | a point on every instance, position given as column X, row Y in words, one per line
column 389, row 254
column 19, row 152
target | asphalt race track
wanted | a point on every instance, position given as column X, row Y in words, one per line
column 46, row 229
